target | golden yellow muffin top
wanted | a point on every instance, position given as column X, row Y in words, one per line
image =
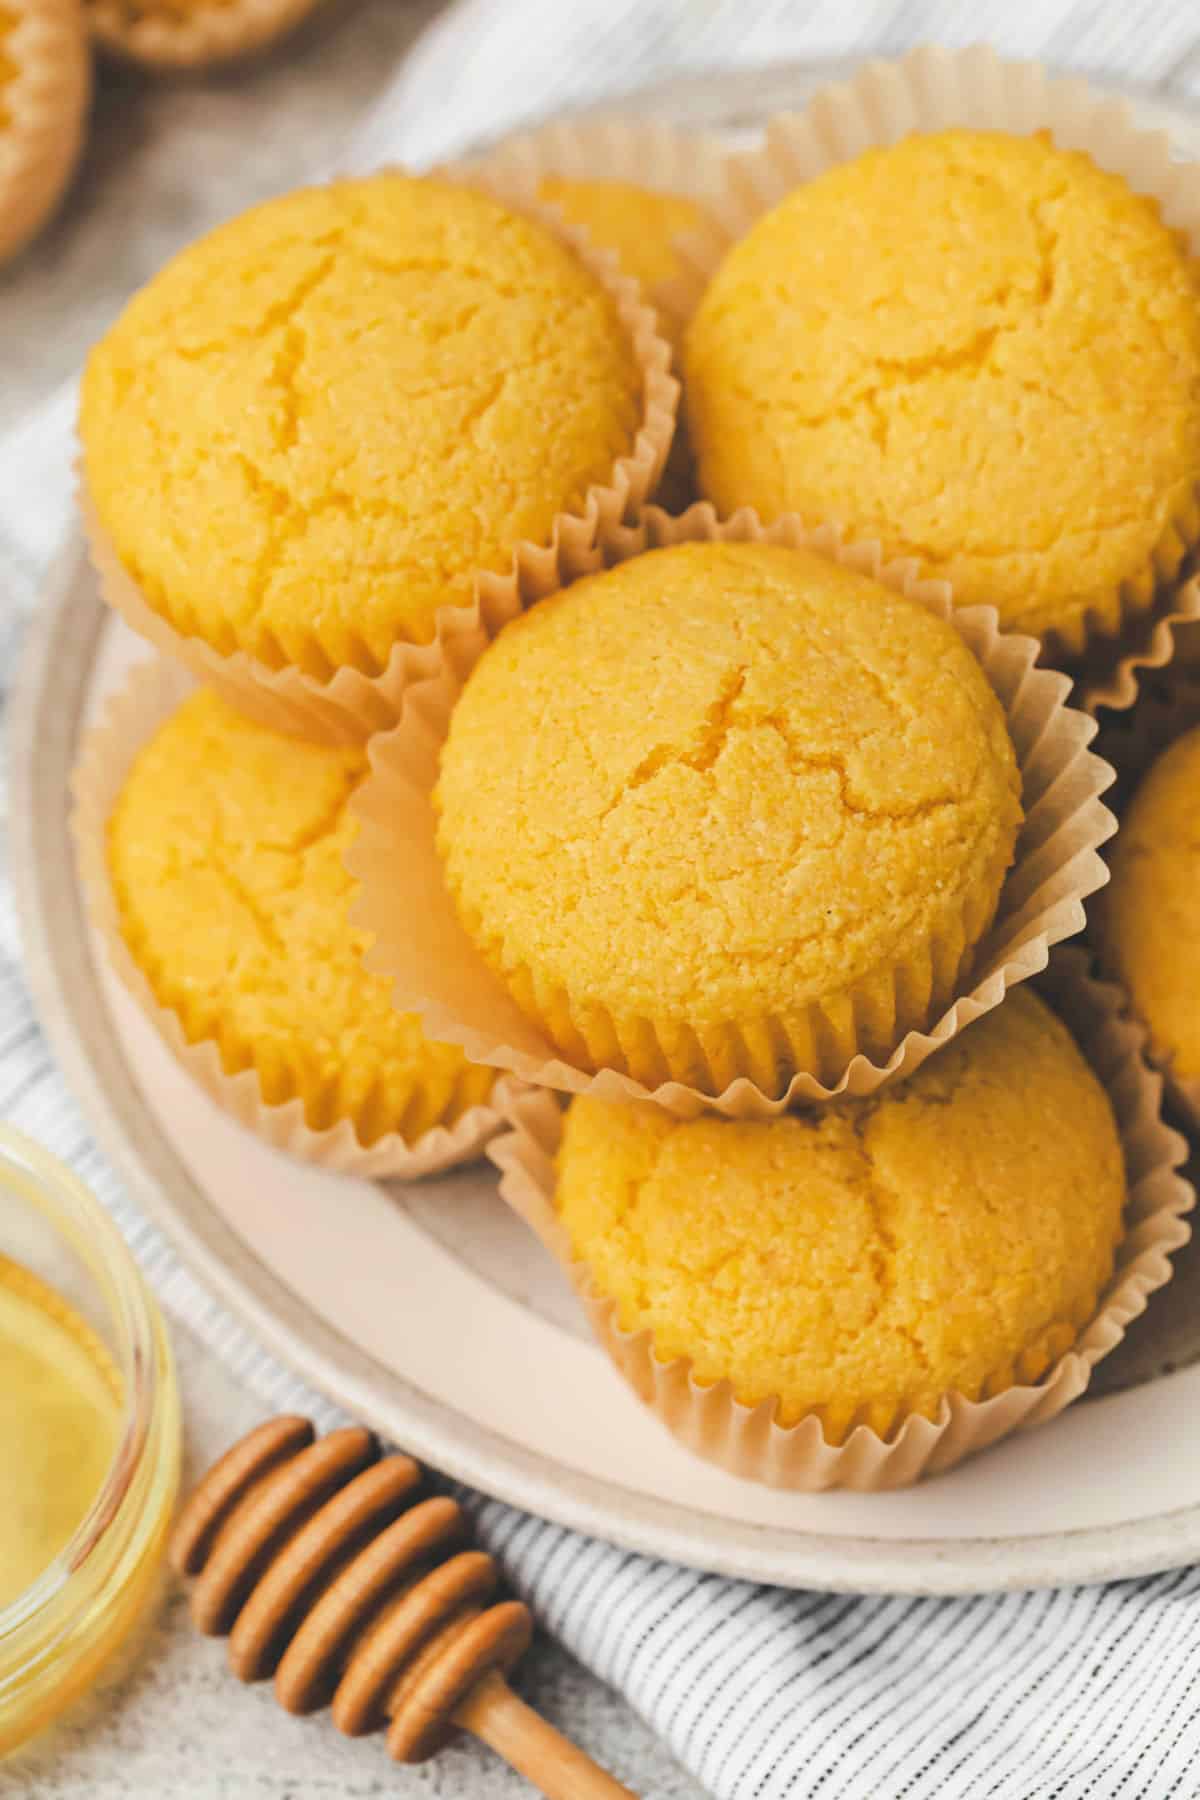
column 225, row 851
column 1147, row 918
column 979, row 348
column 309, row 430
column 950, row 1233
column 721, row 780
column 10, row 68
column 639, row 223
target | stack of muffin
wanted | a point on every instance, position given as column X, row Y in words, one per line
column 739, row 822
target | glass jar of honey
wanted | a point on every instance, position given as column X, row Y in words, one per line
column 89, row 1438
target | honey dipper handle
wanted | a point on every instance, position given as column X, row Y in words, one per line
column 532, row 1746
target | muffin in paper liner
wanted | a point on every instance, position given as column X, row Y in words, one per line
column 45, row 98
column 153, row 691
column 1168, row 706
column 196, row 35
column 934, row 89
column 746, row 1440
column 439, row 974
column 352, row 704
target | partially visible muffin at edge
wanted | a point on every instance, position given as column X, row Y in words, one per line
column 979, row 348
column 952, row 1233
column 225, row 852
column 317, row 424
column 641, row 225
column 45, row 87
column 1147, row 920
column 725, row 809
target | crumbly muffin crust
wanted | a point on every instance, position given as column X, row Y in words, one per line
column 714, row 786
column 225, row 851
column 861, row 1260
column 977, row 347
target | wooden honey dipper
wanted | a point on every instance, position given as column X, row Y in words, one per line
column 325, row 1569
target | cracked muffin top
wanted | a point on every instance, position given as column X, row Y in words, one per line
column 978, row 348
column 225, row 854
column 953, row 1232
column 318, row 423
column 718, row 783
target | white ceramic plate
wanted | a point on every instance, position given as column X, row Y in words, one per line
column 428, row 1312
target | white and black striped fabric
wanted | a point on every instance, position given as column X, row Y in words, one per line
column 1079, row 1694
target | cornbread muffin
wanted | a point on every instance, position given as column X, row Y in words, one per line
column 726, row 809
column 225, row 855
column 319, row 423
column 978, row 348
column 1147, row 919
column 45, row 85
column 188, row 34
column 640, row 225
column 952, row 1232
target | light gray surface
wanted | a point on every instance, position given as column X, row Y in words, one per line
column 173, row 1721
column 164, row 161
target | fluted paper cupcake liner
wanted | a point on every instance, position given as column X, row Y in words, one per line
column 439, row 973
column 1168, row 706
column 152, row 693
column 746, row 1439
column 46, row 101
column 207, row 33
column 1149, row 647
column 352, row 704
column 933, row 89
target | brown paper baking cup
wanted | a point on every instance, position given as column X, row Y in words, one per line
column 1147, row 648
column 933, row 89
column 351, row 705
column 46, row 100
column 195, row 38
column 153, row 691
column 746, row 1440
column 439, row 974
column 1168, row 706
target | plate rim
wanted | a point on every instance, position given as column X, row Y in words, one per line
column 43, row 733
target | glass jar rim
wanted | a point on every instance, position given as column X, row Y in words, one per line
column 137, row 1323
